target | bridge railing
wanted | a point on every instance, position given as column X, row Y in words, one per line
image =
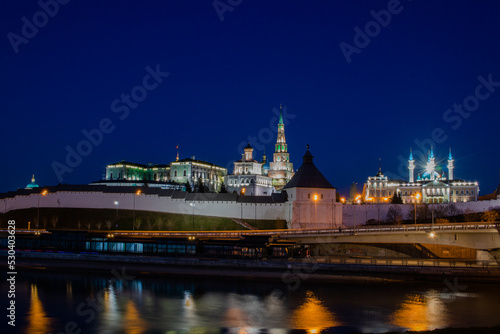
column 296, row 232
column 451, row 263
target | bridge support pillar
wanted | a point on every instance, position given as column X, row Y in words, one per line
column 484, row 255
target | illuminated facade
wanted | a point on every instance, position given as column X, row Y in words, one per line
column 281, row 169
column 165, row 176
column 249, row 176
column 191, row 170
column 432, row 187
column 131, row 171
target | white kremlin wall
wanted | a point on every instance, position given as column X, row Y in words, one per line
column 144, row 202
column 321, row 215
column 353, row 215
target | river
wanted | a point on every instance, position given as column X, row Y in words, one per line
column 116, row 302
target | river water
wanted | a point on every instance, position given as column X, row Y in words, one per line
column 101, row 303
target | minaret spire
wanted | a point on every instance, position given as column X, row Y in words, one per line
column 431, row 164
column 451, row 166
column 411, row 167
column 281, row 115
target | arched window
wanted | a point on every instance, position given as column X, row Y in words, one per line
column 185, row 172
column 175, row 173
column 111, row 176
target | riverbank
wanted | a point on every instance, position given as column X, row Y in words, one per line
column 475, row 330
column 288, row 271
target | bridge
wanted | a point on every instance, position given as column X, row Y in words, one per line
column 464, row 240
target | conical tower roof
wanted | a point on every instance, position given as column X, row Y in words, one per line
column 308, row 175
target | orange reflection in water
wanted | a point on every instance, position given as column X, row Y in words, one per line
column 38, row 321
column 132, row 321
column 419, row 313
column 313, row 316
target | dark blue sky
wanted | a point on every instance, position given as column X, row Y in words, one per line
column 225, row 77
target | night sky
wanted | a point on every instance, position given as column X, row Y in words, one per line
column 219, row 73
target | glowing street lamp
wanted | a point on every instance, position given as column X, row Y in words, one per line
column 138, row 192
column 417, row 197
column 342, row 200
column 43, row 193
column 193, row 205
column 358, row 199
column 315, row 199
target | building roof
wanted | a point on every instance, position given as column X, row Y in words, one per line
column 212, row 197
column 123, row 162
column 195, row 160
column 274, row 198
column 308, row 175
column 33, row 184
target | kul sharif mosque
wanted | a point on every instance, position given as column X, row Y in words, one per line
column 430, row 187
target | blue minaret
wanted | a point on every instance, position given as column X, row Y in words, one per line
column 451, row 165
column 411, row 167
column 431, row 164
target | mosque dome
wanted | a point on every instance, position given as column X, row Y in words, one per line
column 32, row 184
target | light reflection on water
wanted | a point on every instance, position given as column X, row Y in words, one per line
column 421, row 312
column 37, row 321
column 201, row 306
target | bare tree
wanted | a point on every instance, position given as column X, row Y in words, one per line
column 79, row 225
column 88, row 226
column 98, row 225
column 442, row 221
column 170, row 225
column 490, row 216
column 138, row 223
column 471, row 216
column 54, row 220
column 159, row 223
column 394, row 215
column 453, row 211
column 148, row 222
column 440, row 211
column 423, row 211
column 108, row 224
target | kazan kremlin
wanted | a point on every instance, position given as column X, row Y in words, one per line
column 260, row 190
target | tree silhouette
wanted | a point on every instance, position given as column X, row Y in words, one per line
column 394, row 215
column 396, row 199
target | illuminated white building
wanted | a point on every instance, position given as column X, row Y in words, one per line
column 191, row 170
column 165, row 176
column 250, row 176
column 433, row 186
